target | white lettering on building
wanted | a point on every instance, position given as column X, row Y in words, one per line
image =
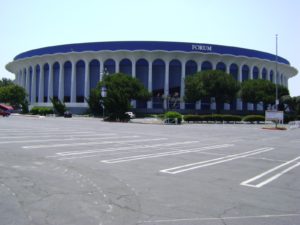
column 206, row 48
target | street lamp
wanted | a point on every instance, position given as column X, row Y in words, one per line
column 103, row 73
column 103, row 94
column 276, row 94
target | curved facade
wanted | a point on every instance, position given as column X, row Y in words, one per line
column 69, row 72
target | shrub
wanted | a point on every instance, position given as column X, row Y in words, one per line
column 173, row 115
column 193, row 118
column 58, row 106
column 217, row 117
column 232, row 118
column 121, row 118
column 206, row 118
column 41, row 110
column 35, row 110
column 25, row 108
column 45, row 111
column 213, row 117
column 253, row 118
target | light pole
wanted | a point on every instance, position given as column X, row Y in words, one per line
column 103, row 90
column 276, row 94
column 103, row 94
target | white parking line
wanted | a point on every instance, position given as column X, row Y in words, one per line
column 181, row 221
column 70, row 153
column 92, row 143
column 192, row 166
column 110, row 136
column 45, row 132
column 274, row 177
column 85, row 134
column 156, row 155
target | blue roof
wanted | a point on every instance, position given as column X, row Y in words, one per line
column 151, row 46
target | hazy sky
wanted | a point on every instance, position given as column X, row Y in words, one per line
column 30, row 24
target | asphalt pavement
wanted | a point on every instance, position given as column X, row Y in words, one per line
column 75, row 171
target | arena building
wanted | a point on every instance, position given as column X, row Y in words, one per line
column 69, row 72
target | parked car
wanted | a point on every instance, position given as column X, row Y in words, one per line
column 130, row 114
column 67, row 114
column 4, row 113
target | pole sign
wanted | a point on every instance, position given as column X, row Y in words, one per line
column 273, row 115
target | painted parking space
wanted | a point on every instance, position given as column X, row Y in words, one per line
column 131, row 144
column 189, row 174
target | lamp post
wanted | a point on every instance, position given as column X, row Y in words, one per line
column 103, row 94
column 276, row 94
column 103, row 90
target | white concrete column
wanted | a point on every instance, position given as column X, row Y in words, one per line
column 182, row 85
column 213, row 65
column 260, row 106
column 200, row 65
column 41, row 84
column 240, row 75
column 73, row 82
column 250, row 106
column 86, row 80
column 117, row 66
column 24, row 78
column 251, row 72
column 285, row 81
column 33, row 85
column 150, row 102
column 133, row 102
column 27, row 79
column 101, row 69
column 50, row 83
column 166, row 87
column 268, row 75
column 227, row 67
column 61, row 82
column 260, row 72
column 239, row 103
column 18, row 78
column 226, row 106
column 198, row 103
column 227, row 64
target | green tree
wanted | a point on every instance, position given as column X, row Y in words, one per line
column 13, row 95
column 121, row 89
column 58, row 106
column 259, row 90
column 211, row 84
column 292, row 103
column 93, row 101
column 5, row 82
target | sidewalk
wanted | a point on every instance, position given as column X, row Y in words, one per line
column 146, row 120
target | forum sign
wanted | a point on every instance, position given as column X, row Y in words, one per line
column 205, row 48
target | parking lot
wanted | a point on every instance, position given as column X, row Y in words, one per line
column 85, row 171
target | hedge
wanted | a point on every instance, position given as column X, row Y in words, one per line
column 254, row 118
column 41, row 110
column 193, row 118
column 212, row 118
column 173, row 115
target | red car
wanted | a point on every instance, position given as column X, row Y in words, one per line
column 4, row 113
column 5, row 110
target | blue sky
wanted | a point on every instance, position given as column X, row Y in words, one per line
column 30, row 24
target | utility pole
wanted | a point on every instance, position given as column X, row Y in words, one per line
column 276, row 74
